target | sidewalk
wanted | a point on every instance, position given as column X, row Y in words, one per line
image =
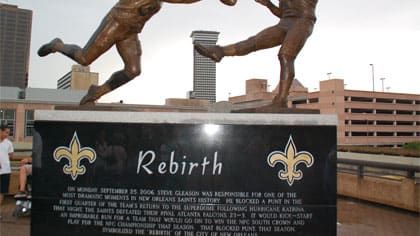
column 11, row 226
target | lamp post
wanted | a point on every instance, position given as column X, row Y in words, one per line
column 382, row 83
column 373, row 77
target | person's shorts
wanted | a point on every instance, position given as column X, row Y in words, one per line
column 4, row 183
column 28, row 168
column 298, row 31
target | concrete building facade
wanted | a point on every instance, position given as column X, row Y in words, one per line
column 17, row 107
column 15, row 38
column 364, row 117
column 79, row 78
column 204, row 69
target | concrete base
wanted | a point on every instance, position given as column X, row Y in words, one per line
column 94, row 107
column 218, row 108
column 273, row 108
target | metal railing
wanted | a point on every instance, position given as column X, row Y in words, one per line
column 378, row 169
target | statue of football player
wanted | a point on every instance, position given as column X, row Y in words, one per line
column 297, row 19
column 120, row 27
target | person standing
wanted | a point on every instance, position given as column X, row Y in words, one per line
column 6, row 152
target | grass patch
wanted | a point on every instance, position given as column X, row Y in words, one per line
column 412, row 146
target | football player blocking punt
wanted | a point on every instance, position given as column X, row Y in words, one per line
column 297, row 19
column 120, row 27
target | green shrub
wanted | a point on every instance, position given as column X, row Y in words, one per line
column 412, row 146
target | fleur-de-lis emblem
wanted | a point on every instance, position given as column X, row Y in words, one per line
column 74, row 153
column 290, row 159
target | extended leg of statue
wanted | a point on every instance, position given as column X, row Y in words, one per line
column 267, row 38
column 216, row 53
column 108, row 33
column 130, row 51
column 287, row 74
column 270, row 37
column 102, row 40
column 95, row 92
column 56, row 45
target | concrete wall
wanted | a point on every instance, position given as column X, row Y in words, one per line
column 398, row 193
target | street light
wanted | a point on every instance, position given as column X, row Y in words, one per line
column 373, row 77
column 382, row 83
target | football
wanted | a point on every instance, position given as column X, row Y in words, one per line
column 229, row 2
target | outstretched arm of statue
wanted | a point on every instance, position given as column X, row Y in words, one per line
column 227, row 2
column 273, row 8
column 181, row 1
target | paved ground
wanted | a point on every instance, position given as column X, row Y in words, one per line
column 11, row 226
column 355, row 218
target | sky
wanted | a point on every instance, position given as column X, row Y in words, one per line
column 347, row 38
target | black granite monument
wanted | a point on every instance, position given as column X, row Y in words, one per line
column 109, row 173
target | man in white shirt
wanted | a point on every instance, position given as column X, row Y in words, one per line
column 6, row 152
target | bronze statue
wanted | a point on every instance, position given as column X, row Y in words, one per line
column 297, row 18
column 120, row 27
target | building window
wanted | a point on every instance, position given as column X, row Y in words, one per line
column 359, row 122
column 360, row 134
column 387, row 122
column 299, row 102
column 384, row 100
column 361, row 99
column 404, row 101
column 29, row 123
column 408, row 123
column 389, row 112
column 313, row 100
column 8, row 117
column 401, row 112
column 361, row 111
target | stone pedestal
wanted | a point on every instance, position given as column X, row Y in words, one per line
column 131, row 173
